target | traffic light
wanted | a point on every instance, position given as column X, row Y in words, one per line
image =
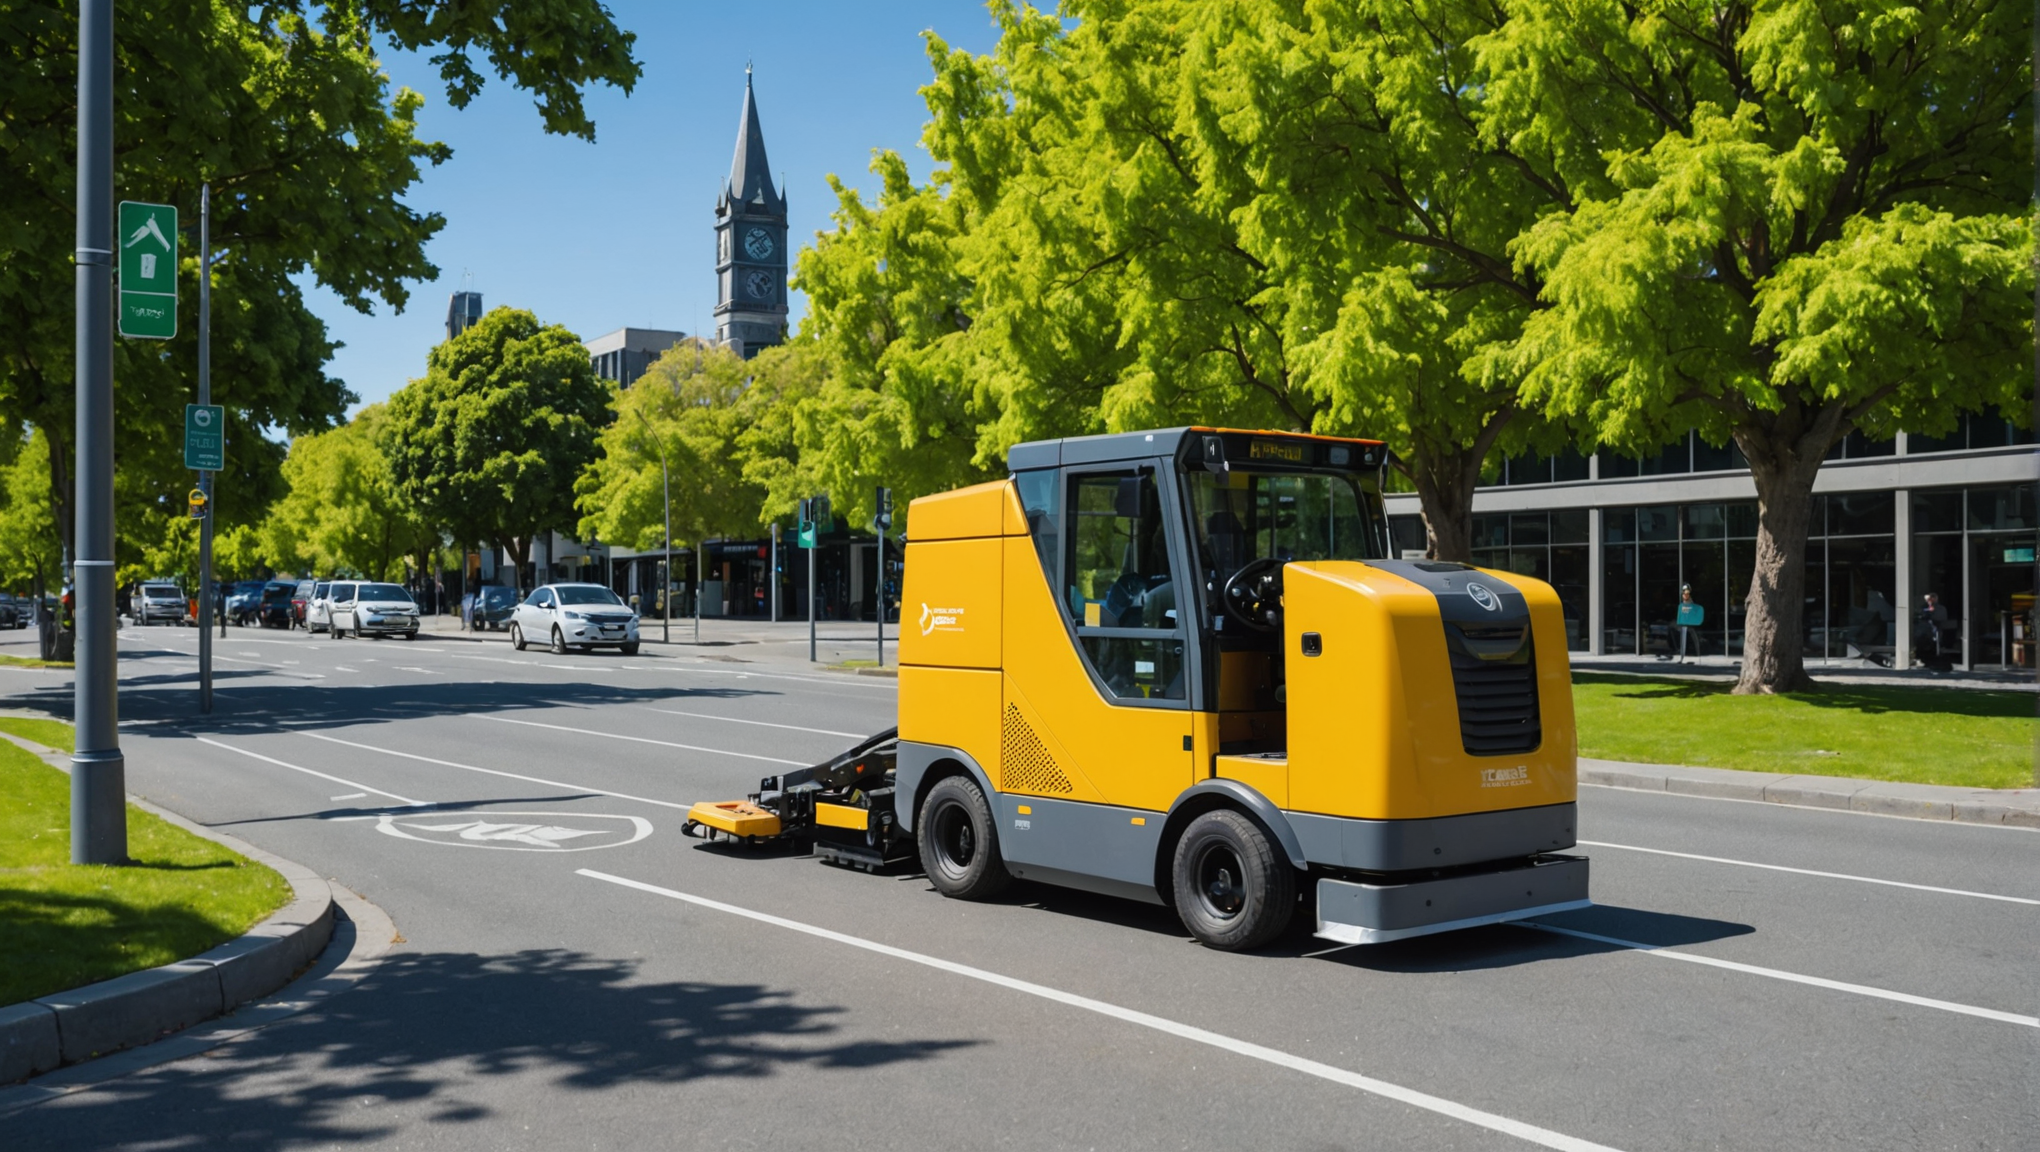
column 884, row 517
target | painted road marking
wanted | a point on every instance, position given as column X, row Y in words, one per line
column 309, row 772
column 761, row 723
column 516, row 835
column 637, row 739
column 351, row 796
column 494, row 772
column 1808, row 808
column 1792, row 977
column 1488, row 1120
column 1812, row 872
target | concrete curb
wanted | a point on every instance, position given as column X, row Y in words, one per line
column 67, row 1027
column 2011, row 807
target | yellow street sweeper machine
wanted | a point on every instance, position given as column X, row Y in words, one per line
column 1179, row 666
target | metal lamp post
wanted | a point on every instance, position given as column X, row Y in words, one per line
column 666, row 572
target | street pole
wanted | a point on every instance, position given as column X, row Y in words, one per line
column 205, row 479
column 812, row 597
column 98, row 771
column 878, row 596
column 774, row 572
column 666, row 574
column 700, row 583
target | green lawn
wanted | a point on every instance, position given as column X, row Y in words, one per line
column 48, row 733
column 1917, row 735
column 32, row 662
column 63, row 924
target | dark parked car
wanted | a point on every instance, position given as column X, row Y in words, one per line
column 492, row 607
column 243, row 598
column 14, row 613
column 274, row 611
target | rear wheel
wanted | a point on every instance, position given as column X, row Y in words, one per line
column 517, row 637
column 959, row 841
column 1234, row 889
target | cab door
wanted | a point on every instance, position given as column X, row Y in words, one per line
column 1098, row 670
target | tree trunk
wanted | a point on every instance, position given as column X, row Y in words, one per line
column 1774, row 633
column 60, row 495
column 1445, row 484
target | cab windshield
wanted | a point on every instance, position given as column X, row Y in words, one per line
column 1243, row 515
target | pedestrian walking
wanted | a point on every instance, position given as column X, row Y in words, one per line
column 1691, row 616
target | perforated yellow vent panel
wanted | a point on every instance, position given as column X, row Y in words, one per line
column 1025, row 764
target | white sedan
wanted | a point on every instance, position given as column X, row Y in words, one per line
column 366, row 608
column 575, row 616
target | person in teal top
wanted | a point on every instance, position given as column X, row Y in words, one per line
column 1691, row 616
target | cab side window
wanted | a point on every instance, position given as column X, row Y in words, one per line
column 1119, row 589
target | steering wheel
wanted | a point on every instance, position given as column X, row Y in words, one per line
column 1253, row 596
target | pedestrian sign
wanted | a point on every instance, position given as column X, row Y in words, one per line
column 148, row 270
column 205, row 437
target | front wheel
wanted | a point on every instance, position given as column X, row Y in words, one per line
column 1234, row 890
column 959, row 841
column 517, row 637
column 559, row 643
column 630, row 649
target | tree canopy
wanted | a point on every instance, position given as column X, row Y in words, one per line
column 343, row 510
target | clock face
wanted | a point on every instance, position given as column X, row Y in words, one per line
column 758, row 243
column 758, row 285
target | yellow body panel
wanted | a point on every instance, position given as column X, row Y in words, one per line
column 736, row 817
column 1374, row 722
column 1268, row 775
column 979, row 510
column 842, row 816
column 949, row 614
column 951, row 707
column 1118, row 754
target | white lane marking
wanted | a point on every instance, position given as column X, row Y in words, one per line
column 1811, row 872
column 1792, row 977
column 495, row 772
column 761, row 723
column 351, row 796
column 882, row 683
column 638, row 739
column 309, row 772
column 1773, row 804
column 344, row 668
column 412, row 668
column 1190, row 1032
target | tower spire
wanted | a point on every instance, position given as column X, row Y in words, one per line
column 750, row 174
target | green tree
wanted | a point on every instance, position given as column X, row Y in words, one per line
column 30, row 547
column 488, row 444
column 1816, row 225
column 285, row 109
column 343, row 509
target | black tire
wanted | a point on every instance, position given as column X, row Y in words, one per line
column 559, row 642
column 959, row 841
column 630, row 649
column 1234, row 890
column 517, row 637
column 410, row 635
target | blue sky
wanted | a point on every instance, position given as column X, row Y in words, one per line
column 620, row 232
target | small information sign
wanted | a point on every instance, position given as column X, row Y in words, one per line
column 148, row 270
column 205, row 437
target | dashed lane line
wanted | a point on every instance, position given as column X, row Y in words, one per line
column 494, row 771
column 1790, row 977
column 1543, row 1137
column 1811, row 872
column 638, row 739
column 310, row 772
column 760, row 723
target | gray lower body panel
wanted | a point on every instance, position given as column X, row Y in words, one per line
column 1356, row 913
column 1095, row 847
column 1439, row 842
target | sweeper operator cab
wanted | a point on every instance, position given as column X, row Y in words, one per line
column 1179, row 666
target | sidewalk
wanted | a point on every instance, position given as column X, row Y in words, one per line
column 2016, row 807
column 1837, row 671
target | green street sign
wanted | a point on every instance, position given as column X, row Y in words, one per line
column 807, row 534
column 148, row 270
column 205, row 437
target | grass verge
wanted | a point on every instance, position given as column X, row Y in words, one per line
column 48, row 733
column 63, row 925
column 1915, row 735
column 32, row 662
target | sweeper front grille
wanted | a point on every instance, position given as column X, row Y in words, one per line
column 1494, row 676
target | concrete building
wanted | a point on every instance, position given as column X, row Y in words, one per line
column 750, row 244
column 623, row 355
column 1892, row 521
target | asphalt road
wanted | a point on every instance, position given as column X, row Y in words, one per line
column 576, row 974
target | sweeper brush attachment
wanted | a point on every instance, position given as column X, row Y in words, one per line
column 842, row 806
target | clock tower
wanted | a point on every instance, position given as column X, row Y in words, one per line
column 750, row 245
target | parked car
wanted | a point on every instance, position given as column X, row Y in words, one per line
column 318, row 609
column 366, row 608
column 300, row 602
column 274, row 609
column 494, row 605
column 161, row 601
column 580, row 616
column 14, row 613
column 243, row 598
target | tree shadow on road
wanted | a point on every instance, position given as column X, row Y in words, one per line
column 427, row 1033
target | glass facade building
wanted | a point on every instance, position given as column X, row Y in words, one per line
column 1891, row 522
